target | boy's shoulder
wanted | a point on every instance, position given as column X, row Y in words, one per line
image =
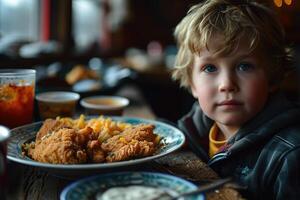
column 290, row 136
column 285, row 144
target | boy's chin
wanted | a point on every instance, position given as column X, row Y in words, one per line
column 236, row 122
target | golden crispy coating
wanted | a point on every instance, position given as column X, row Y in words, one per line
column 134, row 149
column 67, row 141
column 49, row 126
column 94, row 151
column 137, row 141
column 64, row 146
column 84, row 136
column 140, row 132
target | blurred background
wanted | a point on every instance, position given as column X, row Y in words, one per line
column 98, row 46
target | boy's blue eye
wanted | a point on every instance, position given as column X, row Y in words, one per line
column 209, row 68
column 245, row 67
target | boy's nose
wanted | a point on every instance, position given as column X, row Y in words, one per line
column 227, row 84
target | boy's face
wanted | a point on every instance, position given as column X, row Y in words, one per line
column 230, row 89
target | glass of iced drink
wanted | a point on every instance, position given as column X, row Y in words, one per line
column 16, row 96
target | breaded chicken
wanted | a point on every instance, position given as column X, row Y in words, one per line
column 64, row 146
column 133, row 142
column 62, row 141
column 139, row 132
column 49, row 126
column 134, row 149
column 95, row 152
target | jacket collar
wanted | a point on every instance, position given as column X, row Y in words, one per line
column 196, row 126
column 278, row 113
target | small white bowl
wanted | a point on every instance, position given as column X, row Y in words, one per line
column 57, row 103
column 104, row 105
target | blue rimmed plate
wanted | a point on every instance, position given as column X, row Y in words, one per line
column 173, row 139
column 94, row 187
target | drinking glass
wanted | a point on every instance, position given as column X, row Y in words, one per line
column 16, row 96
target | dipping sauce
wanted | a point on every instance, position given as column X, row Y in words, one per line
column 135, row 192
column 104, row 102
column 16, row 104
column 104, row 105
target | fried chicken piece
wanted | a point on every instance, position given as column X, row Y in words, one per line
column 59, row 142
column 64, row 146
column 49, row 126
column 139, row 132
column 84, row 136
column 132, row 150
column 94, row 151
column 138, row 141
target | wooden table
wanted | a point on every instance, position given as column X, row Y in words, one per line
column 28, row 183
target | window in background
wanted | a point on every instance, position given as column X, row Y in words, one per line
column 19, row 24
column 86, row 23
column 95, row 20
column 20, row 18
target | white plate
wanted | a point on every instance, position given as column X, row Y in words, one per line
column 89, row 188
column 173, row 139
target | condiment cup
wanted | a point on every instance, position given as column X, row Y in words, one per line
column 57, row 104
column 104, row 105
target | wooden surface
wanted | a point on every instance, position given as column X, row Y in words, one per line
column 28, row 183
column 31, row 183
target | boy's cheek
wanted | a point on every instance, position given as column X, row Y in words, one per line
column 194, row 92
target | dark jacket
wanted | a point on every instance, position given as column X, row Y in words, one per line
column 263, row 155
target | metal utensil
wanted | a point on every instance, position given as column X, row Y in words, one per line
column 204, row 188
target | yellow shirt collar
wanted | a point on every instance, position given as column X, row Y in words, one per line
column 214, row 143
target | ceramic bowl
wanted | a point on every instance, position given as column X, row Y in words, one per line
column 104, row 105
column 96, row 187
column 57, row 103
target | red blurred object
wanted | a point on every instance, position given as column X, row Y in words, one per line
column 45, row 21
column 16, row 105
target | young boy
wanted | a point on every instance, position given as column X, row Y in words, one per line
column 232, row 57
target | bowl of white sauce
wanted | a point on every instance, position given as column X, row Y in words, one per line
column 129, row 186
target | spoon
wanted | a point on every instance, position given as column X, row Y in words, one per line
column 205, row 188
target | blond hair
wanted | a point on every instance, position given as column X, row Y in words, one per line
column 235, row 20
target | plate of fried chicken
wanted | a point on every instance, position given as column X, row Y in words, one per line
column 68, row 146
